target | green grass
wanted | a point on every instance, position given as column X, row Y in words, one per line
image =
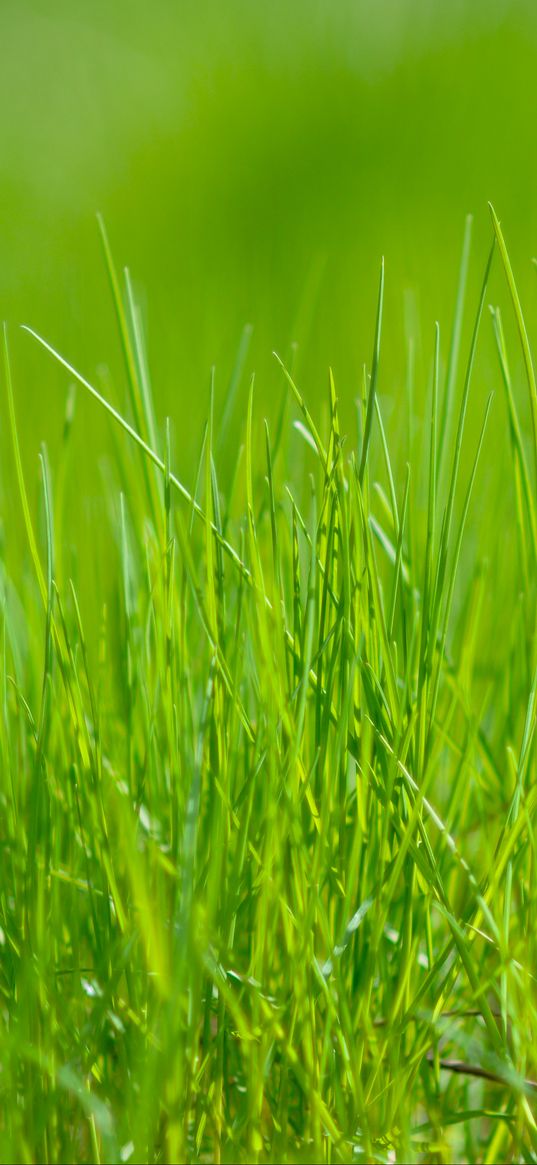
column 267, row 822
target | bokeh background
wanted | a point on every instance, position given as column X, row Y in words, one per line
column 252, row 163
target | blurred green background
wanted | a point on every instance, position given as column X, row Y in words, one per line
column 252, row 163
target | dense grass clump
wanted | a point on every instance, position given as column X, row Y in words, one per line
column 267, row 844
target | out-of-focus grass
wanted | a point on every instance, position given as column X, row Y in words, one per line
column 252, row 163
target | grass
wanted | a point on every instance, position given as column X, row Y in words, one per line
column 267, row 861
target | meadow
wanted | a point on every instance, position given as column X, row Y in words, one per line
column 268, row 549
